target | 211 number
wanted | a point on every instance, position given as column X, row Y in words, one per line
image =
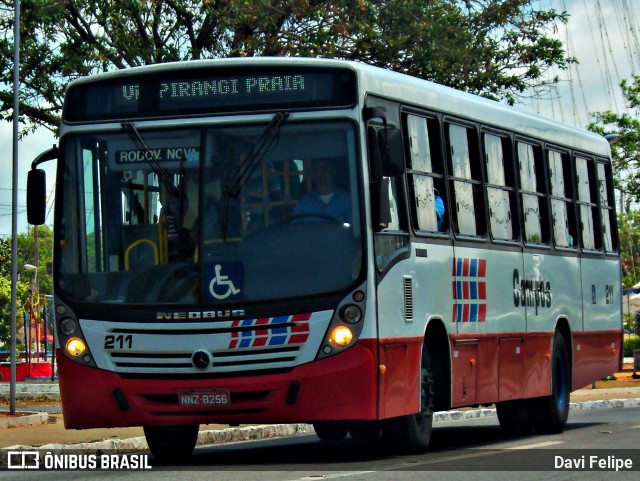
column 118, row 342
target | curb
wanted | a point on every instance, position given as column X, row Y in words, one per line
column 26, row 418
column 248, row 433
column 47, row 391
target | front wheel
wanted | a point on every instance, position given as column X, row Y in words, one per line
column 412, row 433
column 331, row 430
column 172, row 443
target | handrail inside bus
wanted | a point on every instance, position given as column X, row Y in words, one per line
column 136, row 244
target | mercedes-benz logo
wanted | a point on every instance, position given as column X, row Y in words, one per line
column 201, row 359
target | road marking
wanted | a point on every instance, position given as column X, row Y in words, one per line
column 335, row 475
column 537, row 445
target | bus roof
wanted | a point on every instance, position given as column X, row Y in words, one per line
column 409, row 91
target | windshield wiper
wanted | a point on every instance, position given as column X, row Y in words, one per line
column 236, row 182
column 263, row 146
column 158, row 169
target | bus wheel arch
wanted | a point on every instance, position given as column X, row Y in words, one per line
column 412, row 433
column 436, row 340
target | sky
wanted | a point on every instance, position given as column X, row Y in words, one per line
column 602, row 34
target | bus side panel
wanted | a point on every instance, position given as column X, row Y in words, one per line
column 551, row 291
column 525, row 367
column 601, row 294
column 483, row 311
column 400, row 382
column 343, row 386
column 489, row 368
column 596, row 354
column 410, row 294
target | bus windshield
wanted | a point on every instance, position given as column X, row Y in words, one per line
column 209, row 215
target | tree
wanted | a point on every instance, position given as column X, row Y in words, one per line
column 629, row 233
column 496, row 48
column 26, row 253
column 626, row 151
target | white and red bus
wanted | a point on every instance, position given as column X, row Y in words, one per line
column 192, row 287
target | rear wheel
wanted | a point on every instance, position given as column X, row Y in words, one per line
column 546, row 414
column 412, row 433
column 551, row 412
column 172, row 443
column 514, row 416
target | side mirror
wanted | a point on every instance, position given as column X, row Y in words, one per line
column 36, row 196
column 386, row 149
column 37, row 188
column 393, row 161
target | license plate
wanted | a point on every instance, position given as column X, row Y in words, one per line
column 204, row 397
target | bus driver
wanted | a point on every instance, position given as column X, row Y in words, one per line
column 326, row 199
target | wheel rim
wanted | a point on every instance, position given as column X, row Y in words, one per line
column 425, row 399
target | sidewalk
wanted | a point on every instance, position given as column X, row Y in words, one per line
column 47, row 429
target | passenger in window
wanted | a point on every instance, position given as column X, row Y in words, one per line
column 439, row 209
column 326, row 200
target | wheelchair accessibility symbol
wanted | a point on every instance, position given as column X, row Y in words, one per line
column 221, row 286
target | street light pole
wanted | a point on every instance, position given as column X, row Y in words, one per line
column 14, row 210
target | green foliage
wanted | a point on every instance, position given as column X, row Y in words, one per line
column 631, row 344
column 626, row 151
column 496, row 48
column 26, row 255
column 629, row 233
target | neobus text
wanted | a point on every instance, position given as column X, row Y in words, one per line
column 194, row 315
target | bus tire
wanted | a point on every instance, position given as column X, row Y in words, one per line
column 365, row 430
column 171, row 443
column 412, row 433
column 551, row 412
column 514, row 416
column 331, row 430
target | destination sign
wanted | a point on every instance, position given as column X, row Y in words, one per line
column 169, row 154
column 209, row 92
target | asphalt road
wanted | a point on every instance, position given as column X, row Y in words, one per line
column 469, row 450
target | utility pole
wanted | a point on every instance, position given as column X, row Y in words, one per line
column 14, row 209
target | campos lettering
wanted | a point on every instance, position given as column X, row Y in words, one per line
column 531, row 293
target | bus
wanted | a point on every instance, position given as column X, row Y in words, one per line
column 462, row 253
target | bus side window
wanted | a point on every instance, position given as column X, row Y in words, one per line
column 500, row 187
column 533, row 193
column 467, row 205
column 607, row 211
column 587, row 203
column 562, row 212
column 425, row 174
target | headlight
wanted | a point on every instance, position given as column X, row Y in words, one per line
column 67, row 326
column 351, row 314
column 341, row 336
column 76, row 347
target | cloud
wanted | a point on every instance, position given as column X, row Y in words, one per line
column 602, row 35
column 28, row 149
